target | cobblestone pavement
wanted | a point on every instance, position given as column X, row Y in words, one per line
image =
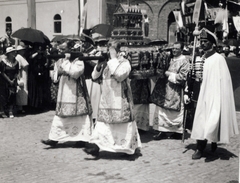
column 24, row 159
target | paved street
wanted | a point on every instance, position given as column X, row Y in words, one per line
column 24, row 159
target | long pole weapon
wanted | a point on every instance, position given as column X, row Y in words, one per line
column 195, row 19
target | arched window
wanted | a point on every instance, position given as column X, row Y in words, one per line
column 8, row 22
column 172, row 28
column 57, row 23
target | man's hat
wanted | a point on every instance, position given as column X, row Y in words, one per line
column 20, row 47
column 207, row 34
column 9, row 49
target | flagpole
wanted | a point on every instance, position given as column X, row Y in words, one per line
column 195, row 19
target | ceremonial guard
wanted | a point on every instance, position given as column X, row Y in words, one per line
column 215, row 115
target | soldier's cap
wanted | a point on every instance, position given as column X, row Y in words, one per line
column 207, row 34
column 20, row 47
column 10, row 49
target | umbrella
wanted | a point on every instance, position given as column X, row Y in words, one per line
column 101, row 39
column 31, row 35
column 72, row 37
column 104, row 29
column 233, row 6
column 58, row 38
column 231, row 42
column 86, row 38
column 146, row 40
column 158, row 42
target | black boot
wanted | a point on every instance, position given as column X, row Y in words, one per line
column 49, row 142
column 197, row 154
column 92, row 149
column 201, row 144
column 213, row 146
column 159, row 136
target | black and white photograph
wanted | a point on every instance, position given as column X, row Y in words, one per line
column 119, row 91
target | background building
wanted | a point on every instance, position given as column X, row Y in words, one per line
column 56, row 17
column 53, row 17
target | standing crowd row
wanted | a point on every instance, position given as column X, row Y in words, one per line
column 105, row 111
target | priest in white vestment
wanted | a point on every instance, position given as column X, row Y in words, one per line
column 115, row 130
column 72, row 121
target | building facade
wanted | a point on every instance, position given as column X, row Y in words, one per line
column 57, row 17
column 53, row 17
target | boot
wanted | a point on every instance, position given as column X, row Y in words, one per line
column 197, row 154
column 213, row 146
column 49, row 142
column 201, row 144
column 159, row 136
column 92, row 149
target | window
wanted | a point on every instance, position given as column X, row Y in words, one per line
column 8, row 22
column 57, row 23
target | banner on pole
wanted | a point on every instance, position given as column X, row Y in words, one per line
column 83, row 18
column 196, row 11
column 178, row 18
column 236, row 22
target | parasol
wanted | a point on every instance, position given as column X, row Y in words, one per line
column 58, row 38
column 31, row 35
column 72, row 37
column 101, row 40
column 158, row 42
column 231, row 42
column 104, row 29
column 146, row 40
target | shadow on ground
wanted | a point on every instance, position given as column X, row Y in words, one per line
column 220, row 153
column 116, row 156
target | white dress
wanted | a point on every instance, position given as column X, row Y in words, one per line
column 22, row 91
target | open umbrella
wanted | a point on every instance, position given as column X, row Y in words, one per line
column 31, row 35
column 86, row 38
column 103, row 29
column 72, row 37
column 158, row 42
column 231, row 42
column 101, row 40
column 146, row 40
column 58, row 38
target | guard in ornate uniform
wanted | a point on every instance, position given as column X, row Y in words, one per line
column 215, row 115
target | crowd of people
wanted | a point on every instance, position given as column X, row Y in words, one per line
column 95, row 100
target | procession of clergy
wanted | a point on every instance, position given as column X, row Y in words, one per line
column 100, row 113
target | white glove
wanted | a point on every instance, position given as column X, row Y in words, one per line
column 186, row 99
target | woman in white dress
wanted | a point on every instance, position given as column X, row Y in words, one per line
column 22, row 91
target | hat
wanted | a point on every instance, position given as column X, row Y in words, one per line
column 206, row 34
column 77, row 45
column 9, row 49
column 54, row 51
column 20, row 47
column 63, row 46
